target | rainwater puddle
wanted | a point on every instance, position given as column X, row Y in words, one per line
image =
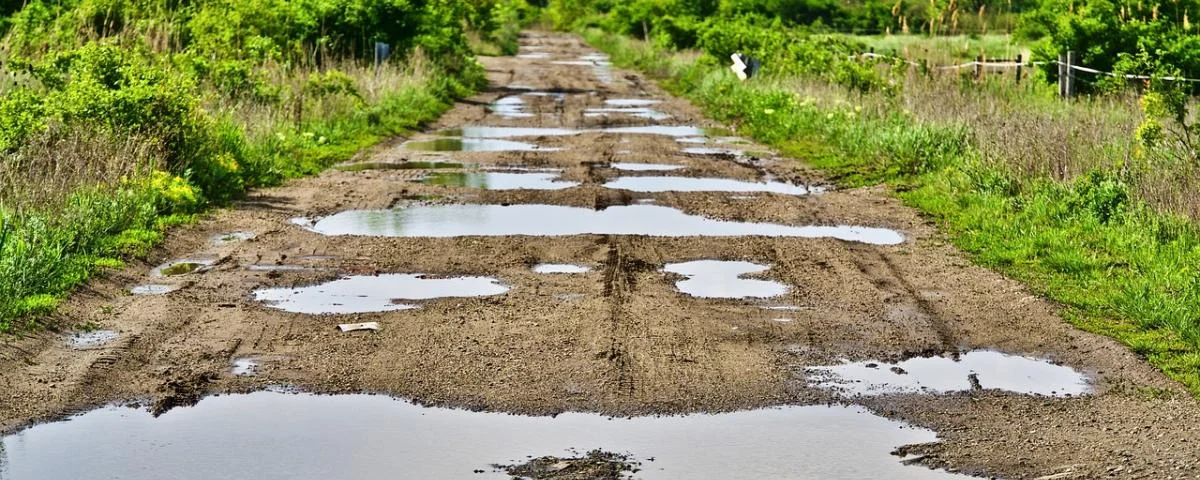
column 375, row 293
column 369, row 437
column 666, row 130
column 153, row 289
column 555, row 220
column 500, row 180
column 362, row 166
column 630, row 102
column 473, row 145
column 647, row 113
column 691, row 184
column 534, row 55
column 183, row 267
column 560, row 268
column 712, row 151
column 221, row 239
column 245, row 367
column 646, row 167
column 259, row 267
column 510, row 107
column 692, row 140
column 86, row 340
column 933, row 375
column 722, row 279
column 514, row 132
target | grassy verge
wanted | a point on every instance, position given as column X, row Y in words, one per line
column 1080, row 232
column 53, row 242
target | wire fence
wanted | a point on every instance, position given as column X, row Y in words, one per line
column 1001, row 64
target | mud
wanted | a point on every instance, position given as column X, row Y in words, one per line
column 595, row 465
column 620, row 339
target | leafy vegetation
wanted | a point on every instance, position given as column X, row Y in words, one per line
column 121, row 118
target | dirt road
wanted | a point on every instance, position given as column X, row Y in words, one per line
column 620, row 338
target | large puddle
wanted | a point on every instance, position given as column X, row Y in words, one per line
column 645, row 167
column 409, row 165
column 515, row 132
column 375, row 293
column 501, row 180
column 473, row 145
column 560, row 268
column 723, row 279
column 638, row 112
column 554, row 220
column 300, row 436
column 980, row 369
column 691, row 184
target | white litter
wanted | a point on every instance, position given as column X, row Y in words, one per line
column 353, row 327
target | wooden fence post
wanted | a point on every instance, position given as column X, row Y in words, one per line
column 1070, row 74
column 1062, row 75
column 1019, row 65
column 978, row 67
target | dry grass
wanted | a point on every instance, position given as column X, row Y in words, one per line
column 41, row 175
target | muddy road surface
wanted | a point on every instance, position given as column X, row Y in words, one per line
column 576, row 240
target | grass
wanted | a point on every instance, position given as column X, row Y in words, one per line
column 1050, row 193
column 945, row 49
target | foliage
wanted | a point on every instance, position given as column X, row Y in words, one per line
column 1110, row 35
column 229, row 95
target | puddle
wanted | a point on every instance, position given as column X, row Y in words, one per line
column 534, row 55
column 278, row 268
column 631, row 102
column 645, row 167
column 555, row 220
column 647, row 113
column 375, row 293
column 86, row 340
column 990, row 369
column 691, row 184
column 231, row 237
column 722, row 279
column 361, row 166
column 514, row 132
column 560, row 268
column 473, row 145
column 245, row 367
column 369, row 437
column 692, row 140
column 712, row 151
column 500, row 180
column 153, row 289
column 666, row 130
column 510, row 107
column 183, row 267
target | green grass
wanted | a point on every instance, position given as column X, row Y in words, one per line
column 956, row 47
column 1117, row 267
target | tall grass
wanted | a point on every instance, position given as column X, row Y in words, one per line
column 1054, row 194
